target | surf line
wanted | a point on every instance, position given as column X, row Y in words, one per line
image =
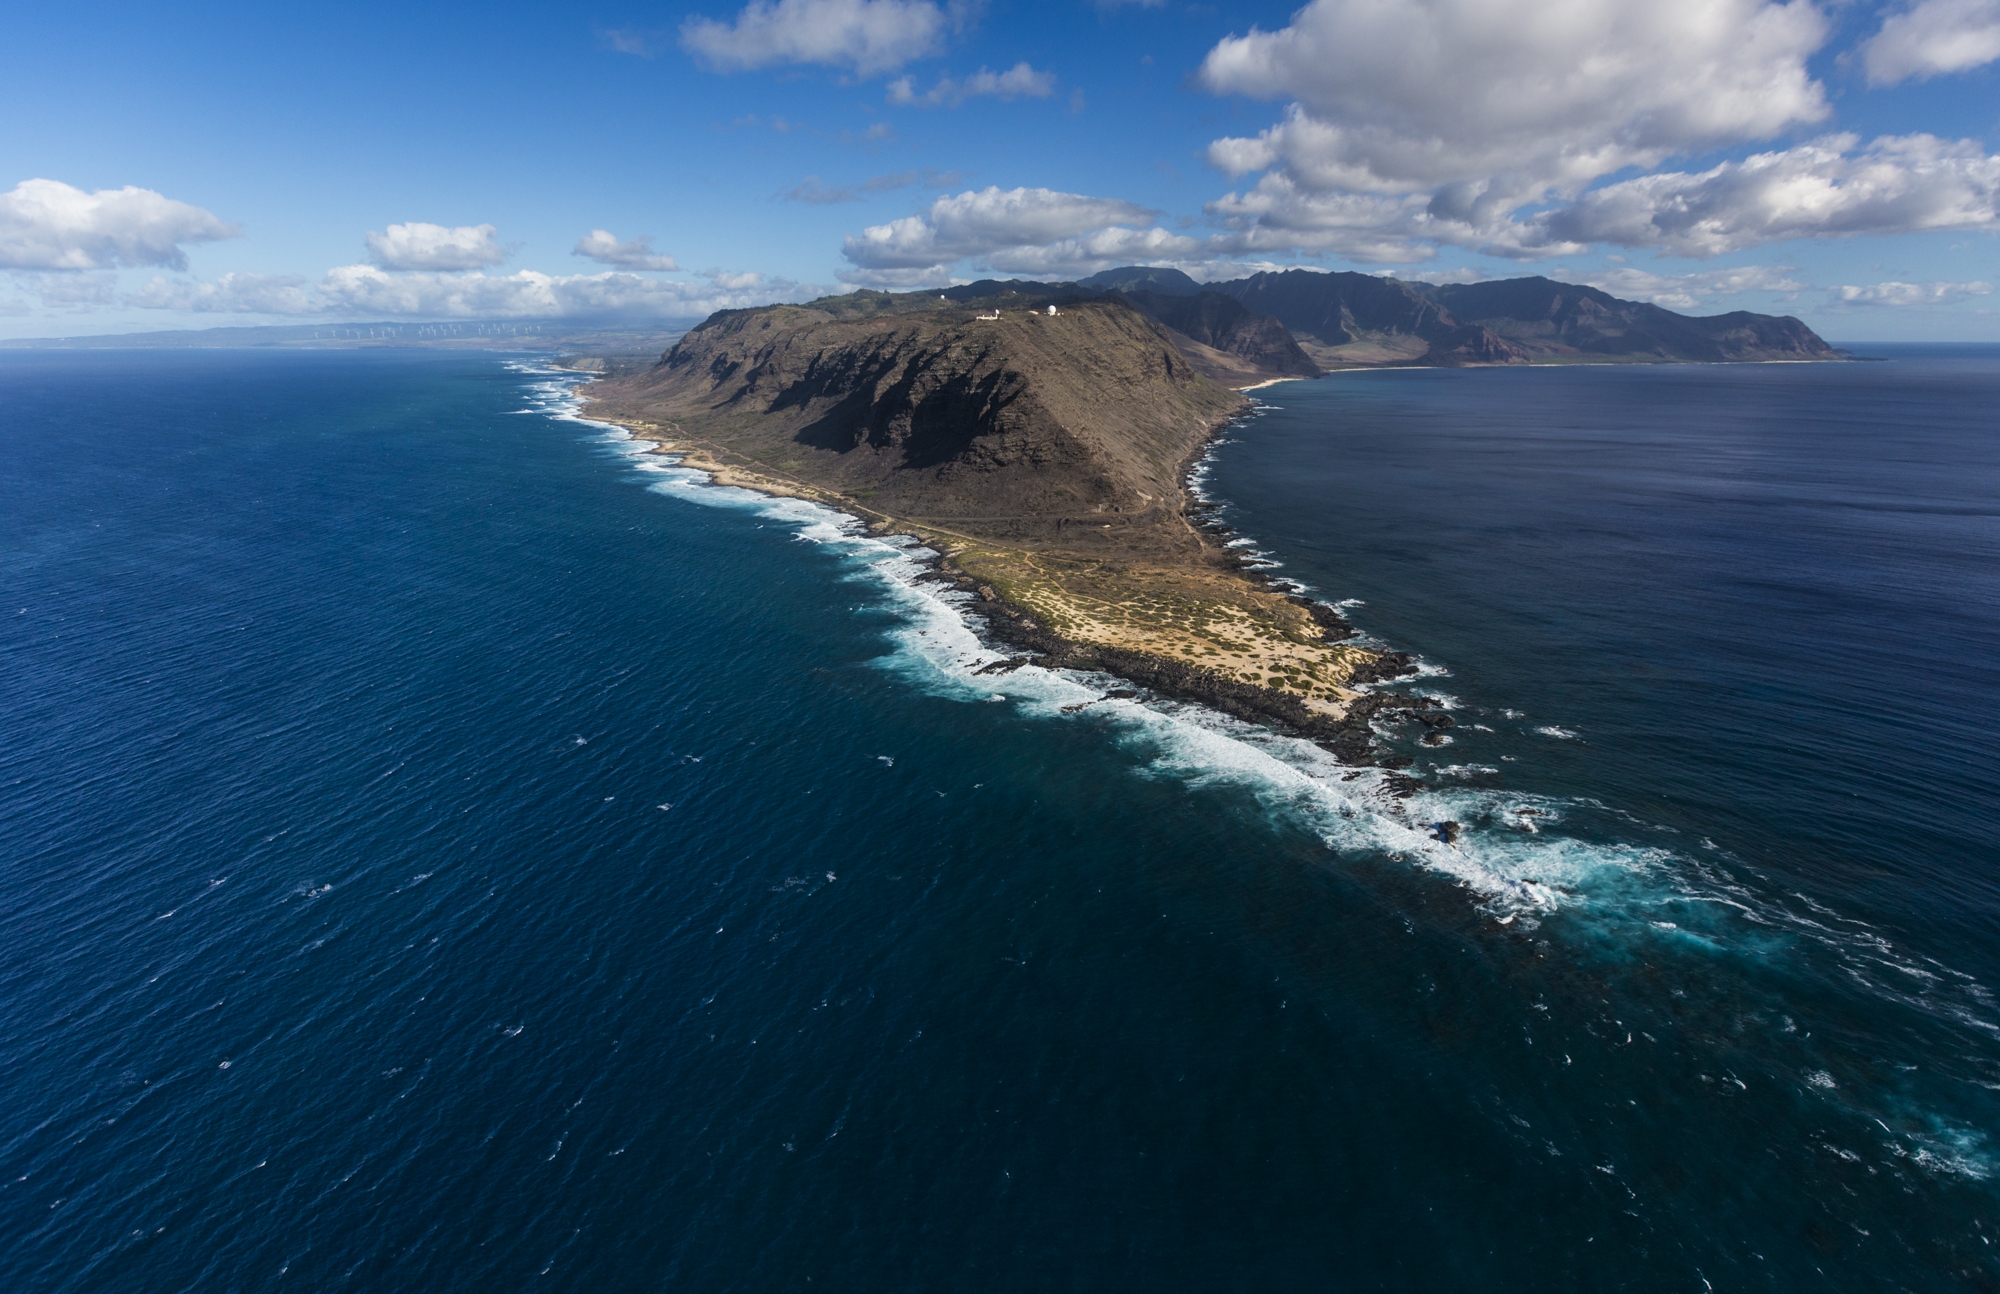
column 1520, row 864
column 946, row 646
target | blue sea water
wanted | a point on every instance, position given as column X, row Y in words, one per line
column 443, row 848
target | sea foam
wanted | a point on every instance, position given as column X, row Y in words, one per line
column 941, row 643
column 1511, row 856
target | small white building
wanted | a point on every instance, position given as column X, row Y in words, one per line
column 1052, row 312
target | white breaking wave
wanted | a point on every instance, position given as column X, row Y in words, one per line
column 1510, row 854
column 1516, row 872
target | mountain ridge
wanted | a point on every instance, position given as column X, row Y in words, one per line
column 1333, row 320
column 1346, row 320
column 1042, row 449
column 1038, row 437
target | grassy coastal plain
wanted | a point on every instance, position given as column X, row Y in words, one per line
column 1045, row 456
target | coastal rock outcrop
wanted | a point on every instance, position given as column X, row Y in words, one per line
column 1039, row 440
column 1025, row 427
column 1039, row 437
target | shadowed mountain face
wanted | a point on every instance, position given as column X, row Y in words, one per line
column 1027, row 426
column 1042, row 453
column 1336, row 309
column 1546, row 317
column 1232, row 343
column 979, row 408
column 1345, row 320
column 1038, row 436
column 1141, row 278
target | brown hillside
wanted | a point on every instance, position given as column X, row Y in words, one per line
column 1030, row 429
column 1042, row 455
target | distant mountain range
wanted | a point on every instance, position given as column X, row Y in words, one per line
column 1293, row 323
column 1348, row 320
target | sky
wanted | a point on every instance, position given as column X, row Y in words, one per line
column 208, row 164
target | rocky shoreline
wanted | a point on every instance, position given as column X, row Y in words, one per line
column 1350, row 737
column 1046, row 457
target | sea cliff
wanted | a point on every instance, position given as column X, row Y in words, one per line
column 1043, row 455
column 1039, row 437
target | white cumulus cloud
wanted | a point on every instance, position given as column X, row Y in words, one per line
column 1279, row 214
column 366, row 291
column 1933, row 38
column 1686, row 291
column 1906, row 294
column 1827, row 188
column 1414, row 122
column 864, row 36
column 984, row 222
column 77, row 291
column 1018, row 82
column 1101, row 249
column 276, row 294
column 633, row 254
column 420, row 246
column 49, row 225
column 1395, row 95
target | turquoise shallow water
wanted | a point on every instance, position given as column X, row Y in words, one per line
column 442, row 849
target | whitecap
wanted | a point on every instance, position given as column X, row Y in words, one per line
column 1513, row 855
column 938, row 645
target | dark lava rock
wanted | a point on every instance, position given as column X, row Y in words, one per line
column 1445, row 831
column 1402, row 785
column 1333, row 625
column 1384, row 666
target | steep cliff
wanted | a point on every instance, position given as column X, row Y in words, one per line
column 1144, row 278
column 1038, row 435
column 1328, row 310
column 1559, row 320
column 1027, row 427
column 1347, row 320
column 1042, row 455
column 1237, row 346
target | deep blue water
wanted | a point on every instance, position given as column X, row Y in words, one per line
column 440, row 849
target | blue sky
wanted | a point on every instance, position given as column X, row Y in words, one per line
column 220, row 164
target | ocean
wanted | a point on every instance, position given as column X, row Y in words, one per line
column 442, row 847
